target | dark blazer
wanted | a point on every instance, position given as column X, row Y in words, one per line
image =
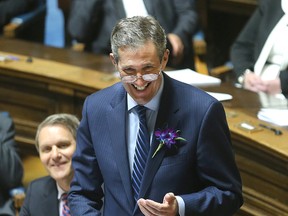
column 91, row 22
column 248, row 45
column 41, row 198
column 202, row 170
column 11, row 170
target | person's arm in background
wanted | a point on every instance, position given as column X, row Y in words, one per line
column 84, row 14
column 247, row 47
column 11, row 170
column 243, row 49
column 187, row 24
column 11, row 8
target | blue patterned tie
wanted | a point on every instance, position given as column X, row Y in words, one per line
column 141, row 151
column 65, row 208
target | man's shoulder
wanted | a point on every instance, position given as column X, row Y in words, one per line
column 39, row 182
column 107, row 94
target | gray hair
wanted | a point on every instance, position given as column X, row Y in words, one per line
column 135, row 31
column 69, row 121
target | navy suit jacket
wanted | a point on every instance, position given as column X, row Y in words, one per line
column 91, row 22
column 41, row 198
column 202, row 170
column 250, row 42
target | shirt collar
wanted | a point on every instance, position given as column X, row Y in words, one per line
column 60, row 191
column 153, row 104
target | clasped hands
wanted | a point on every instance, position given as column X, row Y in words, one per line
column 169, row 206
column 254, row 83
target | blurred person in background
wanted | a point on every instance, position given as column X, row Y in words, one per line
column 91, row 22
column 260, row 53
column 11, row 170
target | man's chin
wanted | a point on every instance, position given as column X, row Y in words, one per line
column 59, row 177
column 58, row 173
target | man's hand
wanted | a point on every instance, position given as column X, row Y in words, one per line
column 177, row 48
column 169, row 207
column 254, row 83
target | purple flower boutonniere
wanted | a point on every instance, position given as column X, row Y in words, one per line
column 168, row 138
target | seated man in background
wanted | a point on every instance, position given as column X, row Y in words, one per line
column 56, row 143
column 260, row 53
column 12, row 8
column 91, row 22
column 11, row 170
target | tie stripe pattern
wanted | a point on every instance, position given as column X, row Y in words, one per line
column 65, row 207
column 141, row 151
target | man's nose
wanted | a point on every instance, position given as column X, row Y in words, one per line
column 55, row 152
column 139, row 79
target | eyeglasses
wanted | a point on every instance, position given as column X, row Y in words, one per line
column 133, row 78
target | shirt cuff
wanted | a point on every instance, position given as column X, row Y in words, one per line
column 181, row 206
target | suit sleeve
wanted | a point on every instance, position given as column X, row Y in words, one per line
column 242, row 50
column 85, row 196
column 10, row 162
column 216, row 168
column 187, row 22
column 11, row 8
column 83, row 19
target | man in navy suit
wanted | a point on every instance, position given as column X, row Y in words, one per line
column 91, row 22
column 56, row 143
column 194, row 176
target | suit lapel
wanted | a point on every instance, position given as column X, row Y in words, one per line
column 50, row 202
column 117, row 128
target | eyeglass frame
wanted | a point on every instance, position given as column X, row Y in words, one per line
column 135, row 77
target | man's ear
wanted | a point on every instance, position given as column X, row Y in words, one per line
column 113, row 59
column 165, row 59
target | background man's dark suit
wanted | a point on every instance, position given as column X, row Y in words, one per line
column 44, row 201
column 11, row 170
column 206, row 186
column 91, row 22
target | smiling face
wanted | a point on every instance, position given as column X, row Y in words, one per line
column 56, row 147
column 139, row 61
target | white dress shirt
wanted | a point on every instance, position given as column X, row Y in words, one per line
column 131, row 5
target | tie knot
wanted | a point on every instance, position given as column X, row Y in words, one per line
column 141, row 111
column 64, row 197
